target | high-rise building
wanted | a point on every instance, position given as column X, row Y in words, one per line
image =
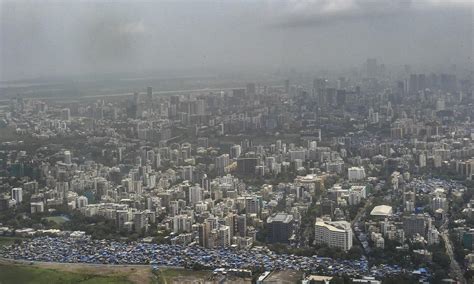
column 246, row 165
column 66, row 114
column 81, row 202
column 67, row 157
column 17, row 194
column 280, row 228
column 356, row 173
column 415, row 224
column 187, row 173
column 223, row 236
column 241, row 228
column 222, row 162
column 235, row 151
column 252, row 205
column 334, row 234
column 139, row 221
column 195, row 194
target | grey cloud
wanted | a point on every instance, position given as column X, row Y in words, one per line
column 43, row 38
column 296, row 14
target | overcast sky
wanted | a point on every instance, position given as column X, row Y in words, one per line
column 50, row 38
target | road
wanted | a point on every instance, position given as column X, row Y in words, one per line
column 124, row 94
column 455, row 269
column 362, row 211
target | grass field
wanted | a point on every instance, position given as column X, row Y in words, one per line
column 25, row 274
column 57, row 219
column 13, row 272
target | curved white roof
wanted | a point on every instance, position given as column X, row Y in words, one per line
column 381, row 210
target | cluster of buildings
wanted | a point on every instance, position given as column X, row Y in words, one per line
column 246, row 165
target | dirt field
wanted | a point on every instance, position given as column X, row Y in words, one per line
column 134, row 274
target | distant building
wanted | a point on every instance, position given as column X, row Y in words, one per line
column 67, row 157
column 37, row 207
column 222, row 162
column 246, row 166
column 235, row 151
column 415, row 224
column 66, row 114
column 356, row 173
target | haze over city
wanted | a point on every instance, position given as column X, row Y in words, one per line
column 309, row 142
column 57, row 38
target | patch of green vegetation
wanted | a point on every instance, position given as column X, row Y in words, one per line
column 57, row 219
column 170, row 275
column 23, row 274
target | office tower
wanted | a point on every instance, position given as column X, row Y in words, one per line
column 66, row 114
column 319, row 84
column 287, row 86
column 439, row 202
column 158, row 160
column 67, row 157
column 223, row 236
column 280, row 228
column 222, row 162
column 81, row 202
column 252, row 205
column 235, row 151
column 327, row 207
column 182, row 223
column 246, row 166
column 139, row 221
column 241, row 228
column 414, row 224
column 356, row 173
column 195, row 195
column 121, row 217
column 187, row 173
column 17, row 194
column 336, row 234
column 297, row 155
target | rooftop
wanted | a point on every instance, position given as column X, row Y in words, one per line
column 381, row 210
column 280, row 217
